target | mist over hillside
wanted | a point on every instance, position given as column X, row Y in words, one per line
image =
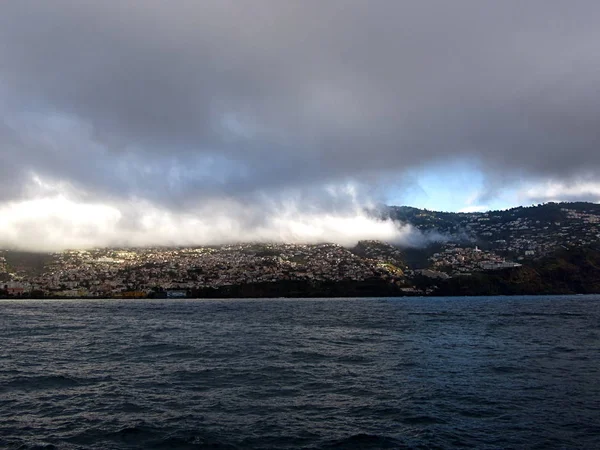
column 448, row 252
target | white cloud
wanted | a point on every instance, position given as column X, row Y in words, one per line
column 553, row 191
column 57, row 223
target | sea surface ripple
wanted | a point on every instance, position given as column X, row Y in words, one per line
column 423, row 373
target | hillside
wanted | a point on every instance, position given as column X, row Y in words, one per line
column 524, row 231
column 573, row 271
column 551, row 248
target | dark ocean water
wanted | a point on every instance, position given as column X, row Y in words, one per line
column 520, row 372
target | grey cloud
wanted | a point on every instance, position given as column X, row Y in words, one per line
column 180, row 100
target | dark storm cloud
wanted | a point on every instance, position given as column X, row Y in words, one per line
column 178, row 100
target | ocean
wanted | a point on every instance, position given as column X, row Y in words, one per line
column 380, row 373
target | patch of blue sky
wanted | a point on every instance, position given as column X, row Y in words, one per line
column 449, row 187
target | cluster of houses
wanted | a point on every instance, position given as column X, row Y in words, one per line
column 143, row 272
column 527, row 237
column 456, row 260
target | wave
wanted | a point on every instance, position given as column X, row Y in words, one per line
column 366, row 442
column 43, row 382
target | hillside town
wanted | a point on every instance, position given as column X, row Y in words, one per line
column 473, row 243
column 142, row 272
column 457, row 261
column 518, row 233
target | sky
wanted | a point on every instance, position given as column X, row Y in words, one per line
column 147, row 122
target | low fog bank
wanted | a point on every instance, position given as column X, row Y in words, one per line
column 59, row 223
